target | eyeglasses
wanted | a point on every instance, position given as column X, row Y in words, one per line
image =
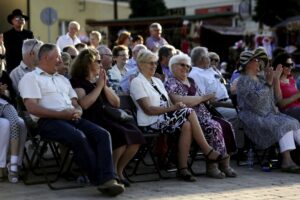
column 288, row 65
column 151, row 63
column 110, row 55
column 184, row 65
column 34, row 44
column 214, row 60
column 98, row 61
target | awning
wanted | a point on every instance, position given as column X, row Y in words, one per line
column 225, row 30
column 292, row 23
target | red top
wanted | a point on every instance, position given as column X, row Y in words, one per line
column 288, row 90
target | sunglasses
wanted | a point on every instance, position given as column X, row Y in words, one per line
column 73, row 57
column 98, row 61
column 288, row 65
column 34, row 44
column 214, row 60
column 184, row 65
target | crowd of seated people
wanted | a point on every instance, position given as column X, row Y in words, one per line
column 67, row 91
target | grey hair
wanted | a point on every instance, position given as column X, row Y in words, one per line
column 138, row 47
column 31, row 45
column 155, row 25
column 103, row 49
column 46, row 49
column 74, row 23
column 145, row 55
column 198, row 53
column 176, row 58
column 97, row 34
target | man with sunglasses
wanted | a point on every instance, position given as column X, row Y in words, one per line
column 13, row 39
column 30, row 51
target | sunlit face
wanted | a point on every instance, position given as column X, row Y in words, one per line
column 53, row 61
column 121, row 58
column 181, row 70
column 73, row 30
column 148, row 67
column 94, row 40
column 95, row 66
column 155, row 32
column 287, row 67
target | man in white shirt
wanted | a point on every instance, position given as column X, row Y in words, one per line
column 29, row 61
column 70, row 39
column 50, row 99
column 208, row 82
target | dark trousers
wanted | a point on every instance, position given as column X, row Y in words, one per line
column 90, row 143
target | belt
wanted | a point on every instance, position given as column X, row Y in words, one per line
column 224, row 99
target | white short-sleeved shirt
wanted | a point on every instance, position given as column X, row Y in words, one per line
column 140, row 87
column 65, row 40
column 52, row 91
column 208, row 83
column 17, row 73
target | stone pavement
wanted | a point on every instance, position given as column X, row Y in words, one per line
column 251, row 184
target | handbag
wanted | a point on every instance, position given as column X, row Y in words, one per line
column 116, row 113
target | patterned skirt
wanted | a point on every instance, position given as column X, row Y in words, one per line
column 170, row 122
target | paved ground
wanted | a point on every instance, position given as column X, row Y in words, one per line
column 251, row 184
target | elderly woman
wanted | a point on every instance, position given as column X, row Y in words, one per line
column 118, row 71
column 265, row 125
column 287, row 93
column 182, row 88
column 156, row 113
column 17, row 131
column 89, row 81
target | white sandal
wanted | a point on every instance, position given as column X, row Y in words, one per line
column 12, row 176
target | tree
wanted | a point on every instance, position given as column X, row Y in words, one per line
column 148, row 8
column 273, row 12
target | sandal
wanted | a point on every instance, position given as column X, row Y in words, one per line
column 185, row 176
column 218, row 159
column 229, row 172
column 213, row 171
column 12, row 176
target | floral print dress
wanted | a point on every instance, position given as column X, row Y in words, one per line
column 212, row 128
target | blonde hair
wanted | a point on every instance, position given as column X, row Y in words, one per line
column 123, row 37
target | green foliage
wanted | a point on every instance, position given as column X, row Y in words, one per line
column 275, row 11
column 147, row 8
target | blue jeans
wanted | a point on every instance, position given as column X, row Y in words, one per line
column 90, row 143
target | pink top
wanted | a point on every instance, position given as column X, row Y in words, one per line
column 288, row 90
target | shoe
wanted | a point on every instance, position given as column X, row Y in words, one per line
column 111, row 188
column 185, row 175
column 12, row 176
column 229, row 172
column 125, row 182
column 291, row 169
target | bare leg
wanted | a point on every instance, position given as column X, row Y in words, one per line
column 199, row 136
column 184, row 144
column 127, row 155
column 287, row 160
column 117, row 153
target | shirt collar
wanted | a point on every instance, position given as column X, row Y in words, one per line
column 39, row 71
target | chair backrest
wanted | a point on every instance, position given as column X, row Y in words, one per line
column 128, row 105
